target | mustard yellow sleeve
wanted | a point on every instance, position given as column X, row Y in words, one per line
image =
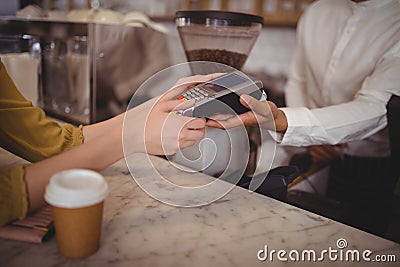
column 13, row 195
column 25, row 130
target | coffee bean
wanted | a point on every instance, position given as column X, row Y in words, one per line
column 233, row 59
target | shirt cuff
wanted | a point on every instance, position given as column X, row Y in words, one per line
column 276, row 136
column 73, row 135
column 300, row 127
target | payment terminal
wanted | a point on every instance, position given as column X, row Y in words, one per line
column 221, row 95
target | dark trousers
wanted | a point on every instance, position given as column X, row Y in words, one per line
column 364, row 188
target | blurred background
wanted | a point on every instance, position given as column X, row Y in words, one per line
column 269, row 60
column 88, row 72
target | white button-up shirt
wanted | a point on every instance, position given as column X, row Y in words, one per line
column 345, row 69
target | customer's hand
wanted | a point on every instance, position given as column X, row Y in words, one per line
column 191, row 81
column 166, row 132
column 266, row 114
column 160, row 129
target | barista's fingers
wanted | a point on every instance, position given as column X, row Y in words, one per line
column 227, row 124
column 262, row 113
column 259, row 112
column 261, row 108
column 250, row 118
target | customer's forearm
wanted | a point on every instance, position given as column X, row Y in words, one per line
column 93, row 131
column 95, row 155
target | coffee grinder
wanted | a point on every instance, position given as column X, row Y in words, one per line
column 226, row 38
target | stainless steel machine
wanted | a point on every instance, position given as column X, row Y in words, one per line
column 85, row 71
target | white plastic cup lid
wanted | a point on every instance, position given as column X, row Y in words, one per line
column 76, row 188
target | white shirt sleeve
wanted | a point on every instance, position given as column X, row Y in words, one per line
column 354, row 120
column 295, row 95
column 343, row 74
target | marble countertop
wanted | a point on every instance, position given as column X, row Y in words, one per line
column 141, row 231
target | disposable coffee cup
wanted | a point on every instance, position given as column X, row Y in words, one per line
column 77, row 198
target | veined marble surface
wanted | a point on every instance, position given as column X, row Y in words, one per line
column 141, row 231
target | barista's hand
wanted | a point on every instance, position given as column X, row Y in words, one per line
column 266, row 114
column 325, row 154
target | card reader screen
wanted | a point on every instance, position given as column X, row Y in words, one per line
column 225, row 82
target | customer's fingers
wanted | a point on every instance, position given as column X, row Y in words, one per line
column 185, row 83
column 173, row 105
column 185, row 144
column 195, row 123
column 221, row 117
column 214, row 124
column 175, row 91
column 191, row 135
column 196, row 79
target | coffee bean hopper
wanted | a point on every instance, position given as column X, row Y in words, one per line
column 227, row 38
column 217, row 36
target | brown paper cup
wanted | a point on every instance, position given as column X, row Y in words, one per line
column 78, row 230
column 77, row 197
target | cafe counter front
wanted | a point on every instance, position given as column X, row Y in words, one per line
column 240, row 229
